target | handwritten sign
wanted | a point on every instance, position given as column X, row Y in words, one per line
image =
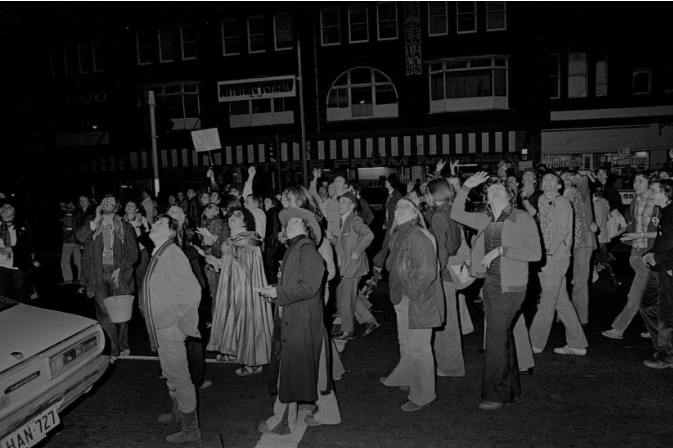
column 206, row 140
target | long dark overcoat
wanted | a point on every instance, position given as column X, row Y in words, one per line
column 302, row 330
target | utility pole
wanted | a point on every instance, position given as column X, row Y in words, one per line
column 153, row 131
column 302, row 149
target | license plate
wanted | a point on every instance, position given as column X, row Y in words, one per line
column 33, row 431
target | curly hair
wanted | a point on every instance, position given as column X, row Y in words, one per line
column 511, row 195
column 248, row 217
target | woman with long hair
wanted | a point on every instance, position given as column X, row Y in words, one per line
column 448, row 341
column 507, row 240
column 416, row 293
column 304, row 354
column 242, row 319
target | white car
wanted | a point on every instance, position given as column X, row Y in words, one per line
column 47, row 360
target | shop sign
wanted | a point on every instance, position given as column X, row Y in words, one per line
column 258, row 88
column 412, row 38
column 562, row 161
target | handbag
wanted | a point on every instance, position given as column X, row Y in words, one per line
column 616, row 224
column 459, row 265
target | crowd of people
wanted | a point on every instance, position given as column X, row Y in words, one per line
column 248, row 278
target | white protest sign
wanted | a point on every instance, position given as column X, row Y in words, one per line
column 206, row 140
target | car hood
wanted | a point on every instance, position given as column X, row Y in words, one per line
column 29, row 330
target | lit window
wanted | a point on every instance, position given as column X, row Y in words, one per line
column 577, row 75
column 478, row 83
column 187, row 42
column 496, row 16
column 361, row 92
column 554, row 68
column 602, row 75
column 180, row 102
column 358, row 26
column 256, row 35
column 438, row 19
column 466, row 17
column 231, row 37
column 261, row 112
column 387, row 20
column 642, row 82
column 166, row 46
column 330, row 25
column 282, row 30
column 144, row 41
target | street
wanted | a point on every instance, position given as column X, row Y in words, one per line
column 606, row 399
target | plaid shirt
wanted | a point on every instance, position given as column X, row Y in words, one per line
column 642, row 209
column 546, row 215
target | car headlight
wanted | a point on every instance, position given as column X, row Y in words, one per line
column 60, row 362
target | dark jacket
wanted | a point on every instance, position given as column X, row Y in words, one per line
column 302, row 329
column 124, row 251
column 663, row 244
column 366, row 211
column 447, row 235
column 414, row 273
column 391, row 202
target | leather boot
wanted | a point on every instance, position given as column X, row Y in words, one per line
column 190, row 429
column 171, row 417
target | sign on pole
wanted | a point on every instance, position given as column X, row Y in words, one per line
column 206, row 140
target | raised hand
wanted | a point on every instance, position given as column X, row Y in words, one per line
column 439, row 166
column 252, row 171
column 476, row 179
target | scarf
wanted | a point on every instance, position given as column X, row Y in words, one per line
column 4, row 233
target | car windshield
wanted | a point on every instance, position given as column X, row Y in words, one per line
column 6, row 303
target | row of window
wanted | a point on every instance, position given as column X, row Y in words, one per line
column 76, row 58
column 251, row 35
column 587, row 75
column 387, row 20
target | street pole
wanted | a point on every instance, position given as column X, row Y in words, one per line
column 153, row 131
column 302, row 149
column 278, row 154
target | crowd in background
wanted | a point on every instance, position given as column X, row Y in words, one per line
column 284, row 280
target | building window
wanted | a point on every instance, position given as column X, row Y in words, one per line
column 469, row 84
column 554, row 70
column 282, row 31
column 387, row 20
column 71, row 60
column 256, row 35
column 179, row 102
column 496, row 16
column 261, row 112
column 577, row 75
column 667, row 76
column 642, row 82
column 330, row 26
column 144, row 44
column 438, row 19
column 358, row 25
column 187, row 42
column 361, row 93
column 231, row 37
column 466, row 17
column 602, row 75
column 166, row 46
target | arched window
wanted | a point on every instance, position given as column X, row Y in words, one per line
column 359, row 93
